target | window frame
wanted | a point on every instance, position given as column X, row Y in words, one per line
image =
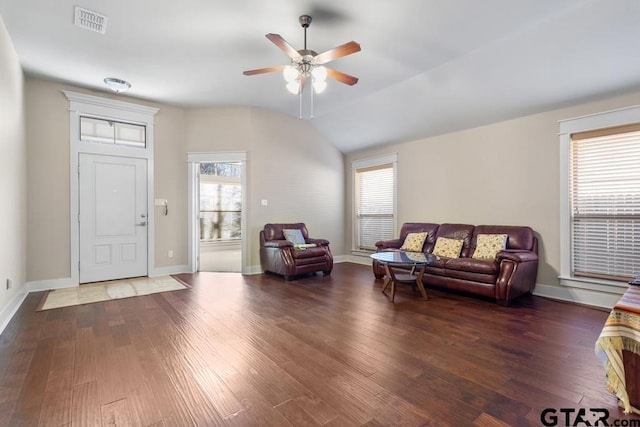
column 614, row 118
column 371, row 162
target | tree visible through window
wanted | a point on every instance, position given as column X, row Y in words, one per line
column 220, row 201
column 604, row 186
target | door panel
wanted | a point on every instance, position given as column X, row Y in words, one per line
column 113, row 217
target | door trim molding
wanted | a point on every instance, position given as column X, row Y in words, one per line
column 193, row 159
column 80, row 103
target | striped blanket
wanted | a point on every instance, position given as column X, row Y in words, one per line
column 621, row 332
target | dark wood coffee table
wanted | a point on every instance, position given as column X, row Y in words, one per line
column 413, row 265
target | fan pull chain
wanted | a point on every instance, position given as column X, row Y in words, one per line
column 300, row 97
column 311, row 90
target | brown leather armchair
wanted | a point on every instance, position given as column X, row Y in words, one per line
column 280, row 256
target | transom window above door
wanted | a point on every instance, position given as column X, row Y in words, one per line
column 105, row 131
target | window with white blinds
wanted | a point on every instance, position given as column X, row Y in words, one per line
column 604, row 192
column 374, row 191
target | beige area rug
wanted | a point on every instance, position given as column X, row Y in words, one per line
column 105, row 291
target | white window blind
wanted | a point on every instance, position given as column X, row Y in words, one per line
column 375, row 205
column 605, row 203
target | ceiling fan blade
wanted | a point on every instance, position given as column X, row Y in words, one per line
column 282, row 44
column 341, row 77
column 337, row 52
column 264, row 70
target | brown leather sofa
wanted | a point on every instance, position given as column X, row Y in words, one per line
column 278, row 255
column 512, row 273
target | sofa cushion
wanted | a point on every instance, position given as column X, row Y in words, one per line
column 419, row 227
column 414, row 242
column 488, row 245
column 459, row 232
column 520, row 237
column 294, row 235
column 308, row 253
column 476, row 270
column 449, row 248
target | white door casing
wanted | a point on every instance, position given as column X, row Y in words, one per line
column 193, row 160
column 113, row 217
column 81, row 104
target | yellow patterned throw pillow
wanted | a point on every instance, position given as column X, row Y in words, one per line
column 488, row 245
column 449, row 248
column 414, row 242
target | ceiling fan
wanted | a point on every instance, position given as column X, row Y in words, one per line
column 307, row 64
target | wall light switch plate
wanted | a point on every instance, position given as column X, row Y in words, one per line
column 264, row 202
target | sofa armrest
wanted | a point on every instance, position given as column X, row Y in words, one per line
column 278, row 244
column 389, row 244
column 517, row 274
column 318, row 242
column 517, row 255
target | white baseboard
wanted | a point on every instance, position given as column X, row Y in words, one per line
column 253, row 269
column 47, row 285
column 340, row 258
column 576, row 295
column 356, row 259
column 166, row 271
column 10, row 309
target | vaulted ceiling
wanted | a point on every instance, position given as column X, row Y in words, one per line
column 426, row 67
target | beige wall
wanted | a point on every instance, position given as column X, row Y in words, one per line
column 289, row 164
column 309, row 187
column 504, row 173
column 13, row 176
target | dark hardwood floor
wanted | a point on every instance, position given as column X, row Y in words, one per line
column 255, row 350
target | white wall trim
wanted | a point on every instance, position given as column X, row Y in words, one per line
column 10, row 309
column 358, row 259
column 253, row 269
column 576, row 295
column 166, row 271
column 51, row 284
column 339, row 259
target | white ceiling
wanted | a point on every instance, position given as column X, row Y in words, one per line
column 426, row 67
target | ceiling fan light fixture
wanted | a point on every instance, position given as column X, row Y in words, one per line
column 308, row 64
column 293, row 87
column 319, row 73
column 319, row 86
column 290, row 73
column 117, row 85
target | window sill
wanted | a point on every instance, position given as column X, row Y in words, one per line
column 593, row 284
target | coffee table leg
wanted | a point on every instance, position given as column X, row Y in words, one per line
column 387, row 278
column 420, row 284
column 390, row 280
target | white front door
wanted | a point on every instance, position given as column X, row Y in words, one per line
column 113, row 217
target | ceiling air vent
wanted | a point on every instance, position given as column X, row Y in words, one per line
column 90, row 20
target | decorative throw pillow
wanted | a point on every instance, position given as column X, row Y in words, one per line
column 294, row 235
column 488, row 245
column 414, row 242
column 449, row 248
